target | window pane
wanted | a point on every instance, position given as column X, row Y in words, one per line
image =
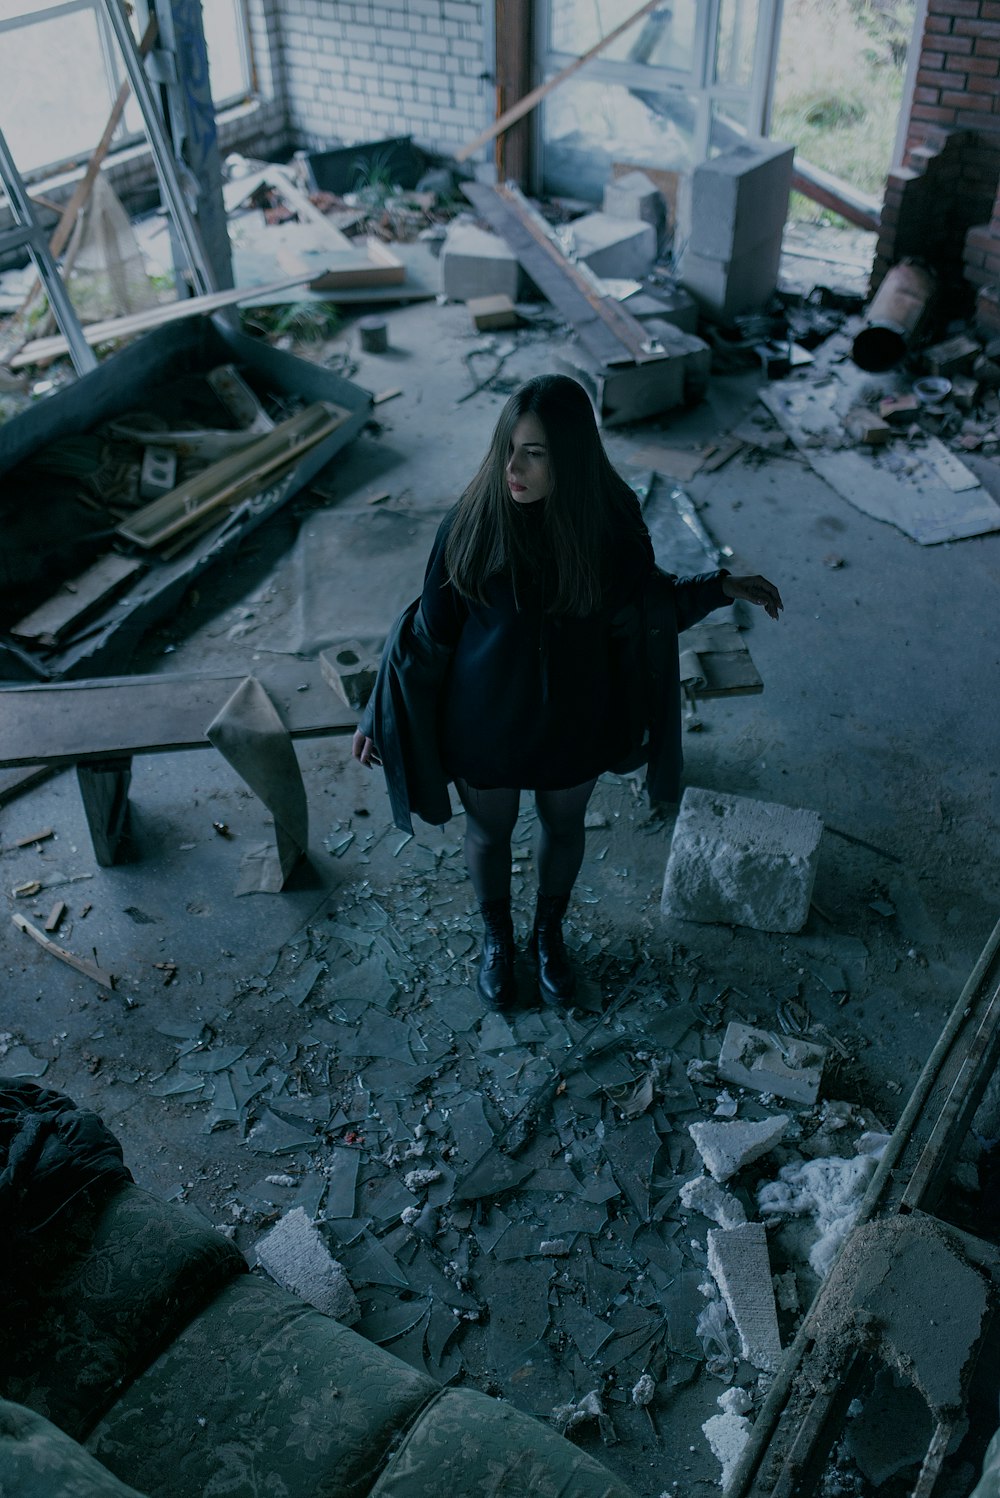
column 735, row 45
column 55, row 100
column 225, row 38
column 588, row 126
column 665, row 38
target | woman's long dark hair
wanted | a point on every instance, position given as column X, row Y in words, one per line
column 588, row 500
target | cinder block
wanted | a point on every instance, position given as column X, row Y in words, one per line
column 667, row 304
column 741, row 862
column 725, row 288
column 615, row 247
column 489, row 312
column 633, row 196
column 694, row 351
column 751, row 1058
column 295, row 1254
column 739, row 199
column 739, row 1264
column 727, row 1147
column 627, row 392
column 475, row 263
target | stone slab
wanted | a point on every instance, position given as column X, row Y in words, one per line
column 615, row 247
column 725, row 288
column 476, row 263
column 738, row 1262
column 739, row 199
column 754, row 1058
column 695, row 352
column 627, row 392
column 741, row 862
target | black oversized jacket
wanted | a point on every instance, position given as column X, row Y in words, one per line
column 408, row 710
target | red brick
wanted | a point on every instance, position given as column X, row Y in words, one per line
column 954, row 7
column 933, row 112
column 967, row 101
column 957, row 43
column 990, row 10
column 925, row 95
column 986, row 47
column 965, row 117
column 990, row 29
column 984, row 65
column 937, row 24
column 931, row 61
column 978, row 85
column 932, row 78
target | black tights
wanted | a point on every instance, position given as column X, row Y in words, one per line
column 489, row 824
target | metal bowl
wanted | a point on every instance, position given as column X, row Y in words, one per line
column 931, row 390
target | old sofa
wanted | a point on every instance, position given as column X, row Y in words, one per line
column 139, row 1355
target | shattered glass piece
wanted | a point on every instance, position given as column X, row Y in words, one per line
column 310, row 1196
column 663, row 1252
column 685, row 1305
column 608, row 1070
column 588, row 1331
column 175, row 1086
column 358, row 1106
column 559, row 1178
column 193, row 1029
column 603, row 1286
column 521, row 1241
column 495, row 1034
column 439, row 1192
column 574, row 1217
column 602, row 1186
column 489, row 1233
column 457, row 1008
column 536, row 1382
column 224, row 1109
column 634, row 1329
column 441, row 1328
column 19, row 1062
column 274, row 1135
column 529, row 1026
column 496, row 1172
column 632, row 1149
column 220, row 1058
column 385, row 1326
column 302, row 982
column 632, row 1098
column 342, row 1180
column 519, row 1312
column 371, row 1264
column 245, row 1085
column 347, row 1230
column 426, row 1279
column 671, row 1024
column 385, row 1203
column 381, row 1036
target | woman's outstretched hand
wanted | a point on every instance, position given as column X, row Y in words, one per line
column 364, row 751
column 754, row 590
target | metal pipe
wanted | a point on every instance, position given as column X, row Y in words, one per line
column 895, row 315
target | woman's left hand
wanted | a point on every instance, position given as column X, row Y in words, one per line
column 754, row 590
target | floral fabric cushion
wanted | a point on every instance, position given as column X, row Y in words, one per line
column 104, row 1292
column 470, row 1445
column 38, row 1461
column 262, row 1394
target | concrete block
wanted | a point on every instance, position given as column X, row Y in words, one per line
column 295, row 1254
column 706, row 1196
column 751, row 1058
column 475, row 263
column 739, row 199
column 727, row 1147
column 667, row 304
column 738, row 1262
column 725, row 288
column 616, row 247
column 727, row 1434
column 634, row 196
column 627, row 392
column 741, row 862
column 694, row 351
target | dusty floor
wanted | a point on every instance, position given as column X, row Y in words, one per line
column 315, row 1047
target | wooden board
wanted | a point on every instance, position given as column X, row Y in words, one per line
column 66, row 723
column 76, row 599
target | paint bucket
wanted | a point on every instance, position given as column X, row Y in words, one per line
column 373, row 335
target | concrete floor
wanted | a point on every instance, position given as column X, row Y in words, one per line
column 881, row 712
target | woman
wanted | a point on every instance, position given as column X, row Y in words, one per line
column 533, row 643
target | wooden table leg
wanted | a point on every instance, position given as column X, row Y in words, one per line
column 104, row 787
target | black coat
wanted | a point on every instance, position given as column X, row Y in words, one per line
column 454, row 697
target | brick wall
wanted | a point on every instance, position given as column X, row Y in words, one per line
column 943, row 204
column 358, row 70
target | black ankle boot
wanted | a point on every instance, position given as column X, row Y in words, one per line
column 496, row 960
column 556, row 980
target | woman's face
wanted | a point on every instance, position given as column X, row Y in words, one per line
column 529, row 474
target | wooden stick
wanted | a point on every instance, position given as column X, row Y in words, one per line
column 41, row 350
column 524, row 106
column 88, row 969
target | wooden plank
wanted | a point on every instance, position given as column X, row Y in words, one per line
column 78, row 597
column 42, row 350
column 88, row 969
column 602, row 324
column 231, row 478
column 526, row 105
column 65, row 723
column 14, row 783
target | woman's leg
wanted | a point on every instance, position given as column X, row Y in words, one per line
column 562, row 841
column 560, row 854
column 489, row 823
